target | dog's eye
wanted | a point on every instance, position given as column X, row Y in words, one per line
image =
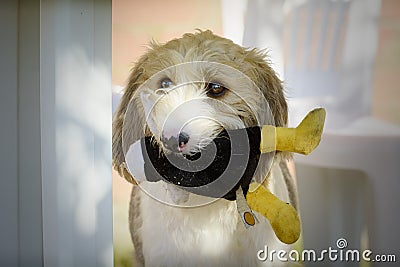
column 215, row 89
column 165, row 83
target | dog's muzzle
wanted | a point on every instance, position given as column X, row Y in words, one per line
column 218, row 170
column 175, row 144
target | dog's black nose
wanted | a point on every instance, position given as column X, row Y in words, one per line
column 175, row 144
column 183, row 139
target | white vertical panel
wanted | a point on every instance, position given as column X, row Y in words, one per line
column 359, row 59
column 8, row 134
column 76, row 132
column 29, row 139
column 20, row 191
column 233, row 13
column 264, row 28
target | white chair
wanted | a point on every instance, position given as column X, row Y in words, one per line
column 349, row 185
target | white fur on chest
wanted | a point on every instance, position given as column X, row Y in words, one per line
column 211, row 235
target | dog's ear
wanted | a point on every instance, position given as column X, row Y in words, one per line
column 131, row 108
column 270, row 85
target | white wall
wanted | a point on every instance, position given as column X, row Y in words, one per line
column 21, row 219
column 8, row 135
column 55, row 154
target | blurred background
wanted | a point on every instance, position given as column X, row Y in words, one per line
column 343, row 55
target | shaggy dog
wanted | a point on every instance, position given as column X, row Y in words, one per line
column 205, row 235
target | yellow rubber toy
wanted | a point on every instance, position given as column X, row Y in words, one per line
column 282, row 216
column 303, row 139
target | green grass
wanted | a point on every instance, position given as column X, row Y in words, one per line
column 123, row 257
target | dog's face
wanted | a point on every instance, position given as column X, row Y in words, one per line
column 187, row 105
column 186, row 91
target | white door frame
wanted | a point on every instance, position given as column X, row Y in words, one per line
column 56, row 147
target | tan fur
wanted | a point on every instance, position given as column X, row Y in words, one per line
column 200, row 46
